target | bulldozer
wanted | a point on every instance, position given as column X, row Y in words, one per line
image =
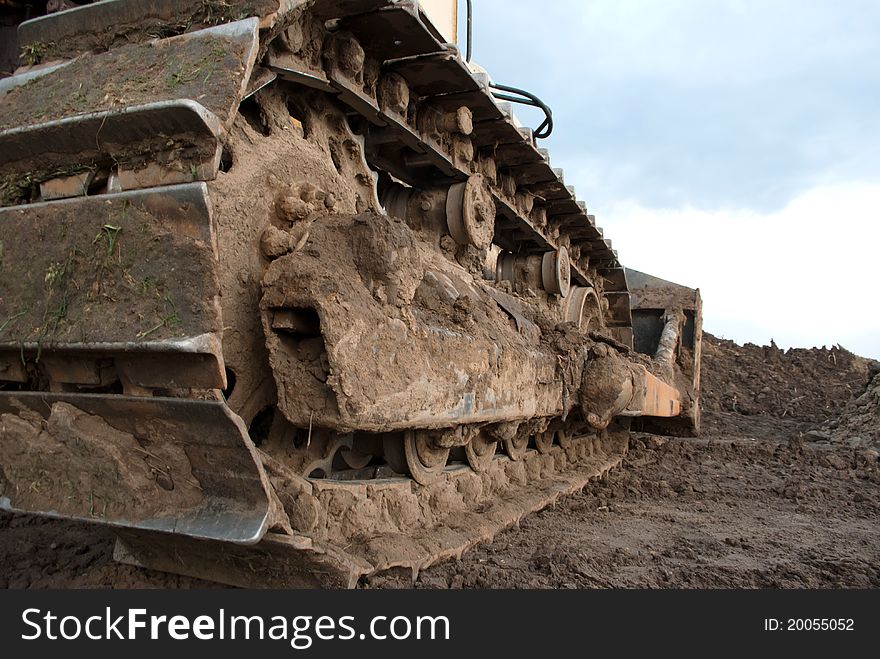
column 289, row 296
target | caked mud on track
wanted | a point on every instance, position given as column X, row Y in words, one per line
column 342, row 317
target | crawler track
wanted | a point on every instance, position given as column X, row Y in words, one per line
column 386, row 525
column 367, row 264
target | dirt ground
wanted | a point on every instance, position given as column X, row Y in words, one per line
column 781, row 491
column 722, row 512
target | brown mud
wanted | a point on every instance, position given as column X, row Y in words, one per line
column 188, row 16
column 756, row 502
column 112, row 265
column 208, row 70
column 762, row 391
column 682, row 513
column 859, row 424
column 272, row 155
column 762, row 500
column 130, row 75
column 75, row 463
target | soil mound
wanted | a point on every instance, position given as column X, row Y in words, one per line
column 858, row 426
column 761, row 391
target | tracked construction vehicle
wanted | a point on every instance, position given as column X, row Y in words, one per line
column 288, row 296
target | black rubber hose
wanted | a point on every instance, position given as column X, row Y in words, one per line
column 470, row 30
column 522, row 96
column 527, row 98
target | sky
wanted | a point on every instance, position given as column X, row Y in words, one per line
column 730, row 145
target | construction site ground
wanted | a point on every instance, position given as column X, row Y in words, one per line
column 781, row 490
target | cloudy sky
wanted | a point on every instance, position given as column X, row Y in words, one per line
column 732, row 145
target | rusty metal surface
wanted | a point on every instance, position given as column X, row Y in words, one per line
column 655, row 398
column 172, row 465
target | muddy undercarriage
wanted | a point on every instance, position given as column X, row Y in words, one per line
column 289, row 298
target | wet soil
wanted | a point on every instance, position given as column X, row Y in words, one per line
column 780, row 492
column 710, row 513
column 762, row 390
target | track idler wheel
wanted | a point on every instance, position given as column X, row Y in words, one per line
column 470, row 212
column 424, row 460
column 564, row 438
column 480, row 452
column 544, row 441
column 556, row 272
column 516, row 448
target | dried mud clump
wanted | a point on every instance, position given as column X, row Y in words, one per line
column 75, row 463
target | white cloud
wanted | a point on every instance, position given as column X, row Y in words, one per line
column 805, row 275
column 729, row 145
column 688, row 101
column 722, row 42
